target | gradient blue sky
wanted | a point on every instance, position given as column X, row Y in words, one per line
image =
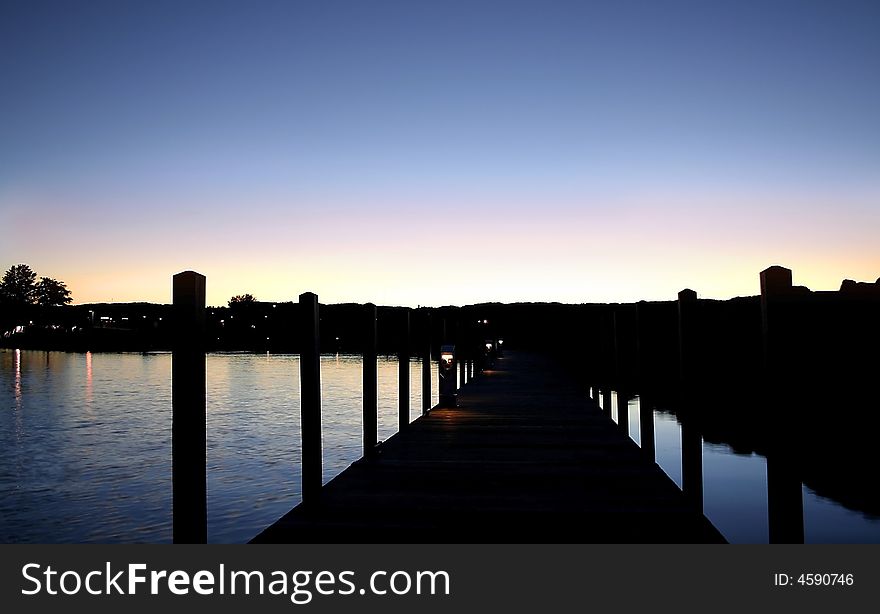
column 439, row 152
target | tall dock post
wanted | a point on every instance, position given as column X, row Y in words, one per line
column 310, row 398
column 691, row 440
column 621, row 371
column 188, row 421
column 403, row 374
column 775, row 286
column 687, row 311
column 785, row 502
column 426, row 365
column 462, row 352
column 371, row 396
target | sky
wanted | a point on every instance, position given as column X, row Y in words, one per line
column 433, row 153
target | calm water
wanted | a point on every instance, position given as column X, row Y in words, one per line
column 735, row 489
column 85, row 449
column 85, row 441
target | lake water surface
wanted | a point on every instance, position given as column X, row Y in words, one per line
column 85, row 449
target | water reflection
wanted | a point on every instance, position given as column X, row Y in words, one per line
column 17, row 379
column 736, row 494
column 89, row 376
column 85, row 456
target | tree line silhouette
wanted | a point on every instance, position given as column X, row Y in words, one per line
column 20, row 287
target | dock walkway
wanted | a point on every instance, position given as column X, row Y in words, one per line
column 526, row 457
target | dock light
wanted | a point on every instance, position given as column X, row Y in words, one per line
column 448, row 385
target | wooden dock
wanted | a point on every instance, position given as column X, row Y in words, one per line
column 526, row 457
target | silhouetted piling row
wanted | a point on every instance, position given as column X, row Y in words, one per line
column 656, row 353
column 189, row 401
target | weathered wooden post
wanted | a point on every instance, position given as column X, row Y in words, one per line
column 687, row 311
column 606, row 357
column 785, row 504
column 641, row 345
column 371, row 407
column 691, row 440
column 621, row 372
column 459, row 343
column 403, row 374
column 188, row 412
column 775, row 286
column 310, row 398
column 426, row 365
column 618, row 343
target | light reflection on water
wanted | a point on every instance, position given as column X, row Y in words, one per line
column 85, row 444
column 85, row 441
column 735, row 490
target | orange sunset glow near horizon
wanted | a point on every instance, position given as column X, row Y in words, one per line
column 440, row 155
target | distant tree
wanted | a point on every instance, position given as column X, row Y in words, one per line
column 18, row 286
column 50, row 292
column 242, row 300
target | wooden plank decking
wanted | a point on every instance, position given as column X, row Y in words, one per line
column 524, row 458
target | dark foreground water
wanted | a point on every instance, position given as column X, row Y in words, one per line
column 735, row 489
column 85, row 449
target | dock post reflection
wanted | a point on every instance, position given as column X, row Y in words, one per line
column 691, row 462
column 785, row 501
column 188, row 422
column 623, row 411
column 310, row 398
column 606, row 400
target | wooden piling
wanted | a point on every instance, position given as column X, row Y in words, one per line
column 310, row 398
column 370, row 387
column 775, row 286
column 188, row 422
column 687, row 311
column 426, row 365
column 403, row 374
